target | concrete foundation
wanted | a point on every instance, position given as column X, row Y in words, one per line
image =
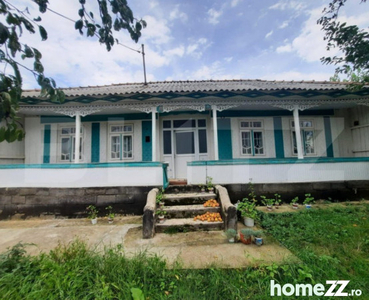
column 335, row 191
column 71, row 201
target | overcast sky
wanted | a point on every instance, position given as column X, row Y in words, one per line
column 193, row 40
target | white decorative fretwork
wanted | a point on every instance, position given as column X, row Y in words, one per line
column 70, row 111
column 291, row 107
column 221, row 107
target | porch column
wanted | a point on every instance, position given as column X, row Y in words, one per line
column 78, row 136
column 296, row 118
column 215, row 128
column 153, row 133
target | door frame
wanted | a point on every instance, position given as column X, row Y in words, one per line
column 173, row 130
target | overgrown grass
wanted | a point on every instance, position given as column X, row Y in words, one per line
column 332, row 244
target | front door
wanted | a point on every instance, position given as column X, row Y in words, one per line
column 185, row 149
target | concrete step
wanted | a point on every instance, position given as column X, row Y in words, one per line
column 187, row 224
column 173, row 189
column 188, row 211
column 187, row 198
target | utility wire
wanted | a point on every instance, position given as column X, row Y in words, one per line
column 69, row 19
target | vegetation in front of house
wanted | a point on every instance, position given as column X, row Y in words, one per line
column 332, row 244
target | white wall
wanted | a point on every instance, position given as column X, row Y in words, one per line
column 360, row 133
column 279, row 173
column 34, row 140
column 81, row 177
column 341, row 133
column 12, row 153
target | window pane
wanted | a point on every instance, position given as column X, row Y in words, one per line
column 65, row 149
column 201, row 123
column 257, row 124
column 167, row 124
column 80, row 148
column 115, row 147
column 246, row 142
column 258, row 142
column 167, row 137
column 203, row 146
column 307, row 124
column 294, row 142
column 184, row 123
column 116, row 128
column 127, row 146
column 185, row 142
column 65, row 130
column 127, row 128
column 245, row 124
column 309, row 141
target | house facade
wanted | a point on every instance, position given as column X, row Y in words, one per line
column 233, row 131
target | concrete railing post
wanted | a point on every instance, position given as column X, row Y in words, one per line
column 148, row 228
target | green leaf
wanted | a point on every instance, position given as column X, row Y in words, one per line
column 38, row 67
column 38, row 19
column 43, row 33
column 79, row 25
column 81, row 12
column 137, row 294
column 37, row 53
column 4, row 33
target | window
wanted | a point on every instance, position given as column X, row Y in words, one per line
column 67, row 140
column 121, row 141
column 307, row 137
column 252, row 137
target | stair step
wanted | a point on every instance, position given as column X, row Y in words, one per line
column 173, row 189
column 188, row 211
column 188, row 224
column 187, row 198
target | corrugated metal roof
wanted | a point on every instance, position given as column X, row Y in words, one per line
column 195, row 86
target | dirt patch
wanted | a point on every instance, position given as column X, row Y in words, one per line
column 202, row 249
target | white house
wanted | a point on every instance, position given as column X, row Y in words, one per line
column 231, row 130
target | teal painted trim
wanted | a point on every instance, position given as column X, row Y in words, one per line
column 278, row 137
column 146, row 146
column 96, row 118
column 95, row 143
column 224, row 139
column 275, row 161
column 272, row 113
column 165, row 176
column 47, row 138
column 84, row 166
column 328, row 136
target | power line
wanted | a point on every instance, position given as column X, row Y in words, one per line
column 69, row 19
